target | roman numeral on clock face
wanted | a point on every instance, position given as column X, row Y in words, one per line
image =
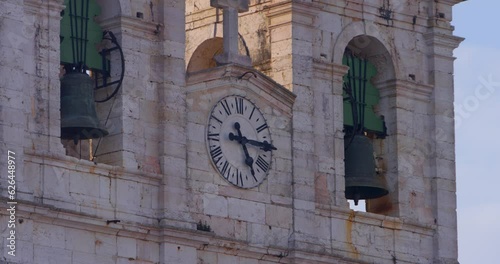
column 215, row 118
column 225, row 105
column 239, row 178
column 262, row 164
column 225, row 168
column 216, row 152
column 239, row 105
column 261, row 128
column 214, row 136
column 251, row 113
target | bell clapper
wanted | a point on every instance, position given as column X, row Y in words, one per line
column 356, row 197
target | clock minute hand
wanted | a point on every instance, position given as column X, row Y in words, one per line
column 242, row 140
column 266, row 146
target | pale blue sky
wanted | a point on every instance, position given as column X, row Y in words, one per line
column 477, row 100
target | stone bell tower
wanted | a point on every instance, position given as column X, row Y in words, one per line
column 231, row 137
column 398, row 56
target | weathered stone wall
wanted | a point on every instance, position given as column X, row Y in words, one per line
column 77, row 211
column 152, row 182
column 307, row 42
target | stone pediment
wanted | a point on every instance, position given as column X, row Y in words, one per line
column 241, row 80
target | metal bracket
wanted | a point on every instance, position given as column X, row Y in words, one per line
column 385, row 13
column 106, row 67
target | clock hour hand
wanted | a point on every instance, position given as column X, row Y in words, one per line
column 241, row 139
column 237, row 127
column 249, row 163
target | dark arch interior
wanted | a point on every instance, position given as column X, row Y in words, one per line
column 375, row 52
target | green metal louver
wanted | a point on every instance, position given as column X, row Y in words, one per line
column 94, row 33
column 364, row 93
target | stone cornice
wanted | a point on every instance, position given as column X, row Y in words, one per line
column 322, row 69
column 131, row 23
column 451, row 2
column 240, row 76
column 304, row 13
column 340, row 69
column 279, row 14
column 52, row 5
column 292, row 12
column 328, row 70
column 443, row 40
column 49, row 214
column 86, row 166
column 382, row 221
column 408, row 89
column 209, row 241
column 338, row 72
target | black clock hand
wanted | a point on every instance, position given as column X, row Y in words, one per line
column 266, row 146
column 249, row 162
column 240, row 139
column 237, row 127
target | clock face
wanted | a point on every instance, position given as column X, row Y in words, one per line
column 239, row 142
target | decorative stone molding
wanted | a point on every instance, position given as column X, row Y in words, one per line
column 451, row 2
column 52, row 5
column 322, row 69
column 289, row 11
column 338, row 72
column 48, row 214
column 442, row 44
column 131, row 24
column 329, row 71
column 408, row 89
column 279, row 14
column 383, row 221
column 80, row 165
column 235, row 74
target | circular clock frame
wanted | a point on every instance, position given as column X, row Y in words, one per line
column 239, row 142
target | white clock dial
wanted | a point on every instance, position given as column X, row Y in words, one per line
column 239, row 142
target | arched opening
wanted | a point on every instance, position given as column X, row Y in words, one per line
column 203, row 56
column 371, row 172
column 85, row 72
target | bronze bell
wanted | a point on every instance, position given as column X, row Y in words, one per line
column 78, row 112
column 361, row 180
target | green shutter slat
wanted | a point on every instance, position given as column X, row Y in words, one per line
column 94, row 36
column 372, row 122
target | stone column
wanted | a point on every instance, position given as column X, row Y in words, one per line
column 230, row 29
column 338, row 72
column 441, row 44
column 175, row 198
column 40, row 59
